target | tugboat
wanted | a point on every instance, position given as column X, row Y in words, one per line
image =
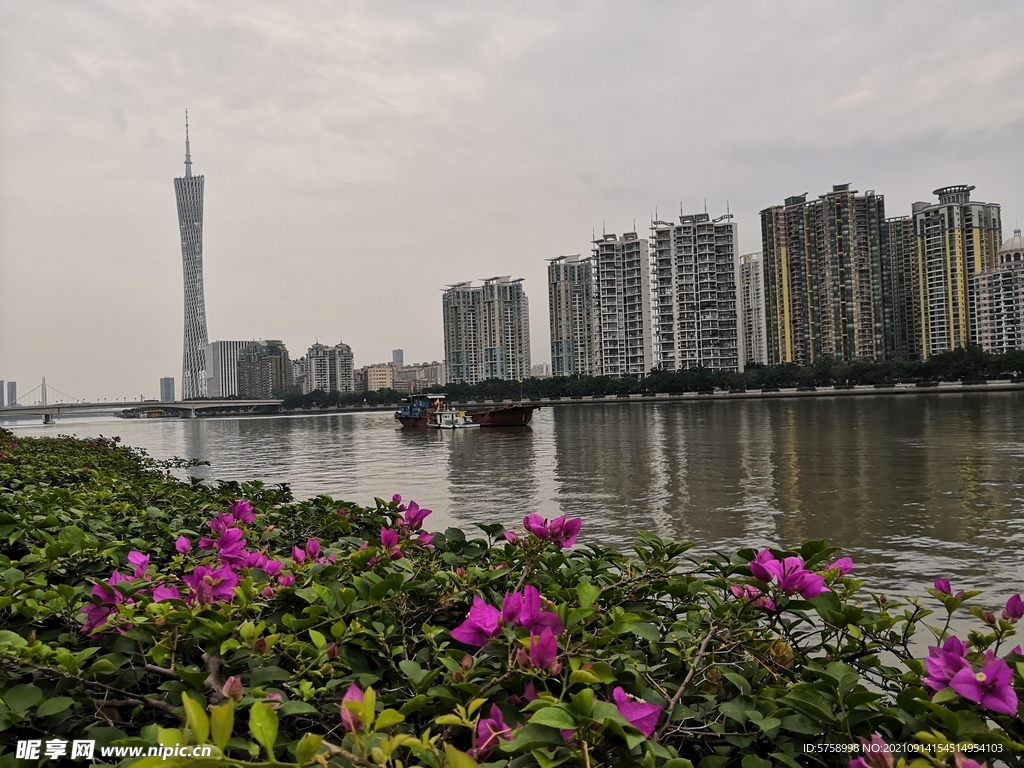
column 418, row 410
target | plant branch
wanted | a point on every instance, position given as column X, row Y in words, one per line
column 686, row 682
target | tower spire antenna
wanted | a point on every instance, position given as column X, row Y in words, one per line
column 188, row 151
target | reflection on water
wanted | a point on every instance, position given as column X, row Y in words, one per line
column 912, row 485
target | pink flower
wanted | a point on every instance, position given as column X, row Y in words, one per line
column 313, row 548
column 489, row 731
column 481, row 624
column 165, row 593
column 944, row 663
column 511, row 537
column 242, row 511
column 232, row 689
column 764, row 566
column 274, row 700
column 396, row 498
column 272, row 567
column 942, row 585
column 140, row 561
column 544, row 651
column 523, row 609
column 962, row 761
column 536, row 525
column 794, row 577
column 844, row 565
column 388, row 538
column 564, row 531
column 208, row 586
column 754, row 595
column 425, row 539
column 992, row 687
column 285, row 579
column 298, row 556
column 205, row 542
column 349, row 719
column 643, row 716
column 415, row 515
column 97, row 615
column 1014, row 608
column 183, row 545
column 268, row 592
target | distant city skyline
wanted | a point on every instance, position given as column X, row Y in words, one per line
column 383, row 171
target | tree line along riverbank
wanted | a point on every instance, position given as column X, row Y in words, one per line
column 142, row 611
column 966, row 366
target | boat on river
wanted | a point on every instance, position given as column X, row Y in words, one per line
column 418, row 411
column 449, row 418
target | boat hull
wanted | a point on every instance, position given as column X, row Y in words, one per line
column 503, row 416
column 507, row 416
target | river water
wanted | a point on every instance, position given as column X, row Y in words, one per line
column 911, row 486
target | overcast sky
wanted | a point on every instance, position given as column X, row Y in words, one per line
column 360, row 156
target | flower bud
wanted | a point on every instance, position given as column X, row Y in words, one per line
column 232, row 689
column 332, row 650
column 467, row 662
column 460, row 572
column 459, row 676
column 990, row 618
column 259, row 646
column 523, row 658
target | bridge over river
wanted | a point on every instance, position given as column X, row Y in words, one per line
column 188, row 409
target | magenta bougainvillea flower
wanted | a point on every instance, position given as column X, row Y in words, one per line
column 942, row 585
column 962, row 761
column 877, row 754
column 943, row 663
column 298, row 556
column 141, row 563
column 97, row 615
column 232, row 689
column 415, row 515
column 642, row 715
column 523, row 609
column 388, row 538
column 1014, row 608
column 992, row 687
column 561, row 531
column 165, row 593
column 844, row 565
column 791, row 575
column 272, row 567
column 351, row 720
column 210, row 586
column 754, row 595
column 313, row 548
column 489, row 731
column 544, row 651
column 242, row 511
column 183, row 545
column 481, row 624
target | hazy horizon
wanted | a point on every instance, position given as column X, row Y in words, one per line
column 361, row 156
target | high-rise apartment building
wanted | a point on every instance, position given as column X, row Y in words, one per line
column 328, row 369
column 380, row 377
column 622, row 306
column 997, row 300
column 12, row 394
column 398, row 356
column 694, row 305
column 753, row 335
column 1, row 393
column 956, row 238
column 419, row 376
column 263, row 369
column 486, row 331
column 188, row 191
column 828, row 288
column 571, row 315
column 222, row 367
column 906, row 288
column 167, row 389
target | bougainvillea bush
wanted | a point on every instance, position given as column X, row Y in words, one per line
column 140, row 610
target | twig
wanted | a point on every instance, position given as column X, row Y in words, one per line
column 213, row 681
column 161, row 670
column 685, row 684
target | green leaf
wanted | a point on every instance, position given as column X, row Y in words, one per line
column 53, row 706
column 263, row 726
column 583, row 676
column 677, row 762
column 222, row 722
column 554, row 717
column 648, row 632
column 753, row 761
column 318, row 639
column 265, row 675
column 588, row 594
column 12, row 638
column 457, row 759
column 946, row 694
column 307, row 747
column 196, row 718
column 532, row 736
column 413, row 670
column 21, row 698
column 387, row 719
column 297, row 708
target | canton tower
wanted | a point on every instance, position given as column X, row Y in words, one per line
column 189, row 193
